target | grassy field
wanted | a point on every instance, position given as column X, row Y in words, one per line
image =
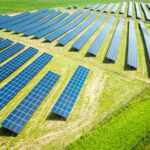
column 108, row 88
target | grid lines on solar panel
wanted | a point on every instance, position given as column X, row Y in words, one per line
column 96, row 45
column 79, row 43
column 17, row 119
column 46, row 31
column 16, row 62
column 68, row 37
column 5, row 43
column 8, row 91
column 67, row 99
column 46, row 25
column 66, row 28
column 5, row 54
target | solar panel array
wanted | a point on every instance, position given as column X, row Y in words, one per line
column 40, row 22
column 146, row 36
column 17, row 119
column 48, row 24
column 16, row 27
column 88, row 6
column 146, row 13
column 10, row 51
column 95, row 6
column 107, row 9
column 46, row 31
column 101, row 7
column 16, row 62
column 96, row 45
column 68, row 37
column 68, row 27
column 78, row 44
column 122, row 10
column 138, row 13
column 132, row 59
column 5, row 43
column 115, row 42
column 130, row 10
column 115, row 8
column 67, row 99
column 1, row 39
column 8, row 91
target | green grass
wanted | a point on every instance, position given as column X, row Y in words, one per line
column 123, row 131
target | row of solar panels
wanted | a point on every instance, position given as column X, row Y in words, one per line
column 17, row 119
column 99, row 7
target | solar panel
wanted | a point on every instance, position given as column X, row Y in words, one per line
column 96, row 45
column 107, row 9
column 115, row 42
column 1, row 39
column 67, row 99
column 138, row 13
column 101, row 7
column 17, row 119
column 8, row 91
column 146, row 37
column 47, row 30
column 148, row 5
column 39, row 22
column 122, row 10
column 88, row 6
column 68, row 37
column 48, row 24
column 95, row 6
column 132, row 59
column 13, row 22
column 115, row 8
column 16, row 62
column 68, row 27
column 16, row 27
column 10, row 51
column 5, row 43
column 130, row 9
column 79, row 43
column 146, row 13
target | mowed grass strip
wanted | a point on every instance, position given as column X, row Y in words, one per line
column 123, row 131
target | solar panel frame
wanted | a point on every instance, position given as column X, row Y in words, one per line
column 5, row 43
column 17, row 119
column 67, row 99
column 123, row 8
column 8, row 91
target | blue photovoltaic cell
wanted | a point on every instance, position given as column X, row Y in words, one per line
column 20, row 25
column 78, row 44
column 95, row 6
column 88, row 6
column 1, row 39
column 46, row 30
column 107, row 9
column 122, row 10
column 17, row 119
column 67, row 99
column 146, row 13
column 48, row 24
column 68, row 37
column 5, row 43
column 130, row 9
column 39, row 23
column 138, row 13
column 148, row 5
column 115, row 8
column 115, row 42
column 16, row 62
column 146, row 36
column 101, row 7
column 8, row 91
column 132, row 59
column 10, row 51
column 66, row 28
column 22, row 19
column 96, row 45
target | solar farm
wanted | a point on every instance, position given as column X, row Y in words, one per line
column 67, row 73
